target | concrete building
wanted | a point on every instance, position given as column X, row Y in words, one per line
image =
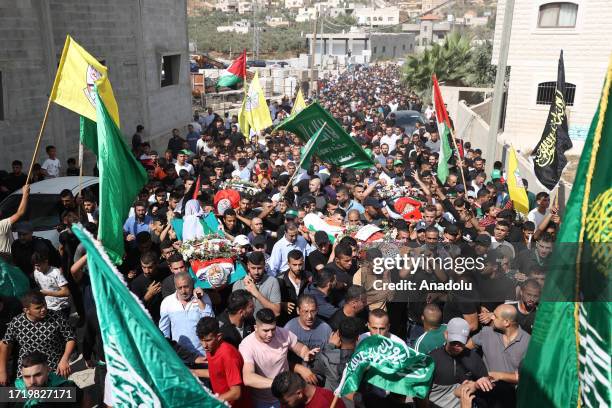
column 227, row 6
column 359, row 47
column 429, row 30
column 377, row 17
column 294, row 4
column 540, row 29
column 238, row 27
column 427, row 5
column 411, row 7
column 137, row 41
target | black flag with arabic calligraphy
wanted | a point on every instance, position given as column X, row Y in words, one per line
column 549, row 154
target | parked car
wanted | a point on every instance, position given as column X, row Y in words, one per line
column 43, row 204
column 407, row 120
column 256, row 63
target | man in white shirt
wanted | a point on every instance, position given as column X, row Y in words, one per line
column 389, row 138
column 538, row 214
column 292, row 240
column 181, row 311
column 53, row 285
column 52, row 166
column 378, row 323
column 208, row 119
column 181, row 162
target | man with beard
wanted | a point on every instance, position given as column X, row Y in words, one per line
column 504, row 345
column 181, row 311
column 456, row 367
column 148, row 284
column 526, row 306
column 237, row 320
column 263, row 287
column 292, row 284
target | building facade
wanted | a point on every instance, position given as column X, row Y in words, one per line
column 144, row 46
column 377, row 17
column 540, row 30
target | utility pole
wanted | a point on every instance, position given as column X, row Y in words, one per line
column 322, row 41
column 498, row 92
column 313, row 81
column 254, row 28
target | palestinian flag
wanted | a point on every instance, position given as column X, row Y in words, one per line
column 234, row 74
column 443, row 131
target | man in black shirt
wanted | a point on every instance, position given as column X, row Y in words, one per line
column 454, row 364
column 148, row 284
column 355, row 302
column 26, row 244
column 526, row 306
column 494, row 288
column 15, row 180
column 292, row 284
column 318, row 258
column 237, row 321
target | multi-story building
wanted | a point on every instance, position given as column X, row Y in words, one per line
column 411, row 7
column 143, row 44
column 294, row 4
column 540, row 30
column 429, row 30
column 427, row 5
column 377, row 17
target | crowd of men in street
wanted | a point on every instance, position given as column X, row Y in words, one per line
column 282, row 335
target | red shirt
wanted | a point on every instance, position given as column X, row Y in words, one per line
column 323, row 398
column 225, row 370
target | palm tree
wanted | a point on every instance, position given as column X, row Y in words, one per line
column 449, row 61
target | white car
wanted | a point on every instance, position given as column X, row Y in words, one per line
column 43, row 204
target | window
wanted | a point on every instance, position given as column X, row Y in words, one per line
column 1, row 98
column 375, row 50
column 424, row 29
column 384, row 49
column 554, row 15
column 389, row 18
column 170, row 66
column 403, row 47
column 546, row 93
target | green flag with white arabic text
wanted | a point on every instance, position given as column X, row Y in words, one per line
column 145, row 371
column 389, row 365
column 121, row 177
column 334, row 145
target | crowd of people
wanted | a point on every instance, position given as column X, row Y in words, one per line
column 283, row 334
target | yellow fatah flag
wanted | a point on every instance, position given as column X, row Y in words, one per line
column 299, row 103
column 243, row 122
column 76, row 76
column 254, row 111
column 516, row 189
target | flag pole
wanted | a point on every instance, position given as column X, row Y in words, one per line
column 40, row 133
column 80, row 177
column 296, row 170
column 452, row 132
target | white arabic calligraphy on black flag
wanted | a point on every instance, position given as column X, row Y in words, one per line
column 549, row 154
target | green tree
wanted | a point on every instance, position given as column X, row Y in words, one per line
column 480, row 70
column 449, row 61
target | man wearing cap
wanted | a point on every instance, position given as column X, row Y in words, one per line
column 290, row 241
column 27, row 244
column 454, row 364
column 372, row 213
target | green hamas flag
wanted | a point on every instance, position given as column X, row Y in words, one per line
column 334, row 146
column 568, row 360
column 145, row 371
column 121, row 177
column 388, row 365
column 13, row 282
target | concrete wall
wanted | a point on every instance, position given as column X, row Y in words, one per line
column 391, row 45
column 452, row 95
column 533, row 57
column 129, row 37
